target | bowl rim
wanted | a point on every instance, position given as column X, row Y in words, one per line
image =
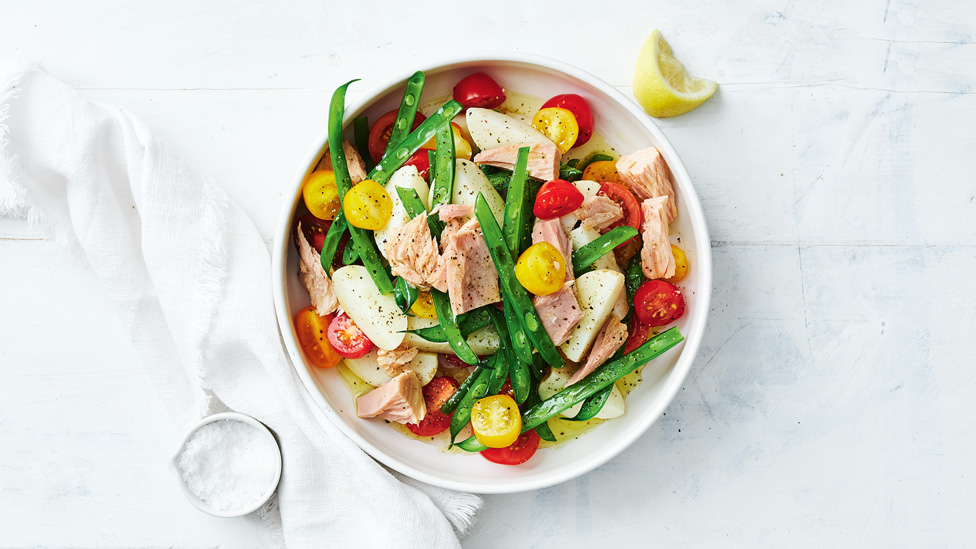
column 693, row 337
column 174, row 465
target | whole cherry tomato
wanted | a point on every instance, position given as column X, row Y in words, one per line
column 347, row 339
column 658, row 303
column 479, row 90
column 379, row 134
column 580, row 109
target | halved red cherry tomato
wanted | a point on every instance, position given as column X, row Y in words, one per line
column 519, row 452
column 638, row 334
column 580, row 109
column 311, row 329
column 658, row 303
column 379, row 134
column 632, row 213
column 347, row 339
column 315, row 230
column 421, row 161
column 436, row 394
column 479, row 90
column 556, row 199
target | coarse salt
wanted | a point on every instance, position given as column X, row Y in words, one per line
column 228, row 464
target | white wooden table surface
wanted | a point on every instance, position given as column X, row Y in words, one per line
column 833, row 399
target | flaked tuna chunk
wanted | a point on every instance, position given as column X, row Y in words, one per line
column 657, row 260
column 551, row 231
column 392, row 362
column 448, row 212
column 560, row 312
column 472, row 280
column 354, row 162
column 611, row 337
column 648, row 176
column 314, row 278
column 599, row 213
column 413, row 255
column 543, row 159
column 400, row 400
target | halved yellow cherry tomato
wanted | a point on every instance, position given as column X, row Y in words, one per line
column 541, row 269
column 680, row 265
column 604, row 170
column 424, row 306
column 496, row 421
column 367, row 206
column 559, row 125
column 462, row 147
column 321, row 195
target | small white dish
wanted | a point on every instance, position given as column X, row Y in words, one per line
column 174, row 465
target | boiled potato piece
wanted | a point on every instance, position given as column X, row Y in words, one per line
column 598, row 292
column 580, row 237
column 377, row 315
column 369, row 370
column 490, row 130
column 469, row 180
column 558, row 377
column 483, row 342
column 408, row 178
column 589, row 190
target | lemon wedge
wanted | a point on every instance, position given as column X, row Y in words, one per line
column 662, row 86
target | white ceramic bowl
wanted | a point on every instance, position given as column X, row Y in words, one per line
column 625, row 127
column 267, row 438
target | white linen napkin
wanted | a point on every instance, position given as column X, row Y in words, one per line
column 190, row 277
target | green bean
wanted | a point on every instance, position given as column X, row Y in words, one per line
column 590, row 253
column 462, row 414
column 360, row 132
column 511, row 289
column 410, row 144
column 331, row 244
column 634, row 277
column 517, row 225
column 592, row 406
column 405, row 294
column 442, row 304
column 598, row 379
column 361, row 238
column 407, row 111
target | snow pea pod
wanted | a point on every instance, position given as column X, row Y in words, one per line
column 592, row 406
column 360, row 134
column 600, row 378
column 462, row 414
column 634, row 277
column 410, row 144
column 518, row 371
column 512, row 291
column 407, row 111
column 588, row 254
column 331, row 244
column 517, row 223
column 405, row 294
column 361, row 238
column 445, row 315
